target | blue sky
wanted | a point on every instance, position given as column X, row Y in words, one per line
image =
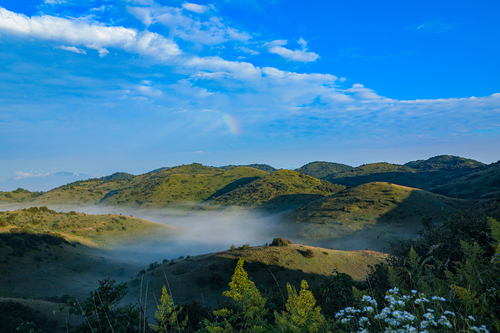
column 97, row 86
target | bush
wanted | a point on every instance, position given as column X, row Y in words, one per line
column 308, row 253
column 13, row 314
column 280, row 242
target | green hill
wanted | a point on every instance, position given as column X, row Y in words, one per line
column 280, row 190
column 182, row 186
column 322, row 169
column 88, row 229
column 118, row 176
column 18, row 196
column 444, row 162
column 203, row 278
column 45, row 253
column 369, row 214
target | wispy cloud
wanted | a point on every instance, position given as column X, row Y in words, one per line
column 434, row 26
column 71, row 49
column 210, row 31
column 200, row 9
column 294, row 55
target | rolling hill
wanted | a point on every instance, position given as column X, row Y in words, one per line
column 280, row 190
column 203, row 278
column 368, row 214
column 182, row 185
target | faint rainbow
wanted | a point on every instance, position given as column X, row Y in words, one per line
column 231, row 123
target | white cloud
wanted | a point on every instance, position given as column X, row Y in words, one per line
column 200, row 9
column 211, row 31
column 295, row 55
column 30, row 174
column 142, row 14
column 54, row 2
column 71, row 49
column 301, row 55
column 92, row 35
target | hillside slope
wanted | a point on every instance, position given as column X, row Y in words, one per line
column 174, row 188
column 160, row 188
column 203, row 278
column 367, row 215
column 280, row 190
column 380, row 172
column 479, row 183
column 47, row 254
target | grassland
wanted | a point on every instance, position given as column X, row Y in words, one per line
column 280, row 190
column 169, row 188
column 202, row 278
column 370, row 213
column 183, row 185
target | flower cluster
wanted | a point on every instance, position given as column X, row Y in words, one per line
column 396, row 318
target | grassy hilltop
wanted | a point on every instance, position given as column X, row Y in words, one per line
column 280, row 190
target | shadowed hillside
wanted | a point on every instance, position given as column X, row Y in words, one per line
column 280, row 190
column 380, row 172
column 367, row 215
column 322, row 169
column 47, row 254
column 443, row 174
column 479, row 183
column 203, row 278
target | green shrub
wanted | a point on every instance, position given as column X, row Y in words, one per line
column 280, row 242
column 308, row 254
column 13, row 314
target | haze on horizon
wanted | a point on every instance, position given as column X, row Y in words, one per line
column 96, row 87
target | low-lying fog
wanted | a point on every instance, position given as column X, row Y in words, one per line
column 200, row 232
